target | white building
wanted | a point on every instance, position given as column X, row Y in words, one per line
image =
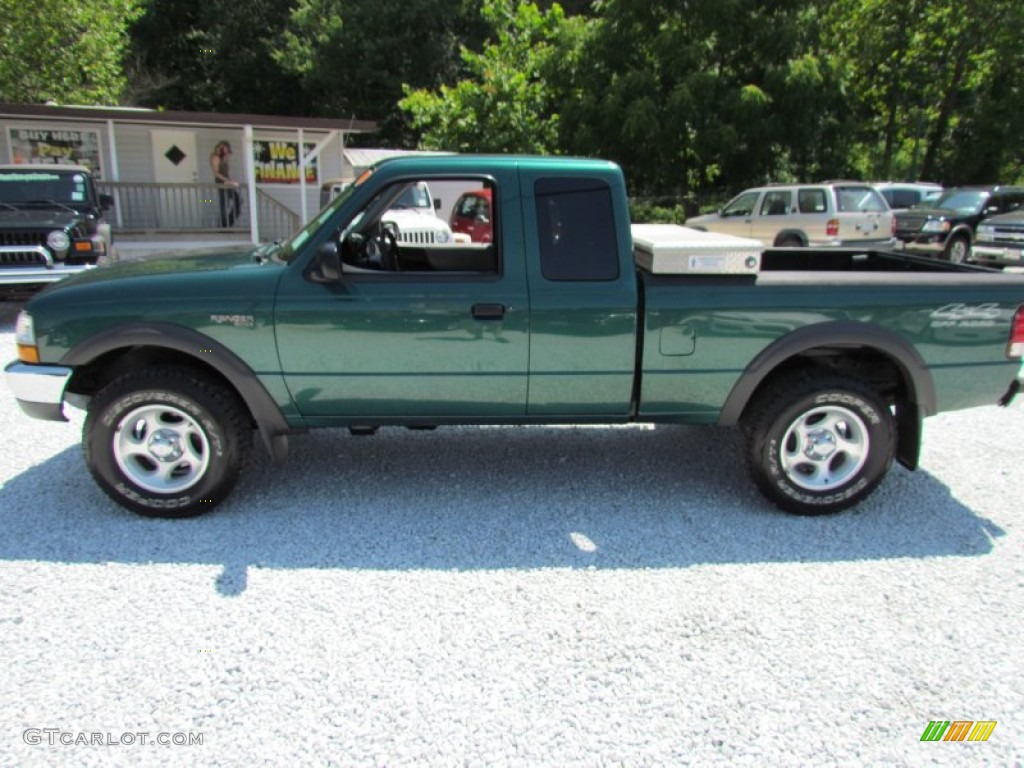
column 156, row 164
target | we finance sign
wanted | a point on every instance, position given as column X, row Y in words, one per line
column 277, row 162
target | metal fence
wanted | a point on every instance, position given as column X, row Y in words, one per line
column 146, row 207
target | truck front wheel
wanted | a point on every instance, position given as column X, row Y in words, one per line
column 818, row 442
column 958, row 249
column 166, row 442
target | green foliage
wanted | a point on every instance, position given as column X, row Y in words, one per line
column 937, row 84
column 701, row 97
column 647, row 212
column 213, row 55
column 696, row 100
column 65, row 52
column 504, row 104
column 352, row 57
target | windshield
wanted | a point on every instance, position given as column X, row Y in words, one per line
column 962, row 201
column 416, row 196
column 290, row 247
column 43, row 186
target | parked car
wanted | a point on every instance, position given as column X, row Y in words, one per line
column 51, row 223
column 906, row 194
column 795, row 215
column 999, row 241
column 946, row 227
column 472, row 216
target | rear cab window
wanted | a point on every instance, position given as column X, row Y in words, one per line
column 576, row 229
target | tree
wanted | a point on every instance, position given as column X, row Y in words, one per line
column 936, row 84
column 209, row 55
column 504, row 103
column 352, row 57
column 65, row 52
column 699, row 99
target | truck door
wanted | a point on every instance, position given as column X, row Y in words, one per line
column 583, row 295
column 413, row 331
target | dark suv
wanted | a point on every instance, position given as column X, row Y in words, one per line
column 946, row 226
column 51, row 223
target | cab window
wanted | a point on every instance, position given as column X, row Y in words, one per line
column 400, row 232
column 576, row 229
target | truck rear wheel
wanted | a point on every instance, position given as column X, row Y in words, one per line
column 818, row 442
column 166, row 442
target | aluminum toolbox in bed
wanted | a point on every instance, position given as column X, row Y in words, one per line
column 668, row 249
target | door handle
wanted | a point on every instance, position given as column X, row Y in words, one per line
column 488, row 311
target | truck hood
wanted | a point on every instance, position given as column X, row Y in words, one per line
column 37, row 218
column 160, row 269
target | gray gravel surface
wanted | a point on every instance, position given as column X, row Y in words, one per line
column 522, row 597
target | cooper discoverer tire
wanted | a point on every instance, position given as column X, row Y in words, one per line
column 166, row 441
column 818, row 442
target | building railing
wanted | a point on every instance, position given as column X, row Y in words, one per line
column 148, row 207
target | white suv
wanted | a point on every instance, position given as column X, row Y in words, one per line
column 795, row 215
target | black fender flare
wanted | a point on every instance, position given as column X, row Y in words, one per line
column 207, row 352
column 921, row 399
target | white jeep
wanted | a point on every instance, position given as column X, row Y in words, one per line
column 413, row 216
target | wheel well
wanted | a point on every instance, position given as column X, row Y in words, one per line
column 90, row 378
column 880, row 371
column 871, row 366
column 790, row 234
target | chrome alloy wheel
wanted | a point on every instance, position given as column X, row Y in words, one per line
column 161, row 448
column 824, row 448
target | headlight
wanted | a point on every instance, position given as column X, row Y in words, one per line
column 443, row 236
column 58, row 240
column 25, row 338
column 987, row 230
column 935, row 225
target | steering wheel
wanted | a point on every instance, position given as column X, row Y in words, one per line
column 383, row 244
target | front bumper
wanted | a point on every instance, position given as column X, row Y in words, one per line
column 39, row 389
column 932, row 244
column 991, row 254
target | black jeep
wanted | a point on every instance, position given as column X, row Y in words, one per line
column 51, row 223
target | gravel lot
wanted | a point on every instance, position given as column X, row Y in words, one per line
column 533, row 597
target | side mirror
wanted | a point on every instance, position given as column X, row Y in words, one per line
column 437, row 203
column 326, row 264
column 106, row 202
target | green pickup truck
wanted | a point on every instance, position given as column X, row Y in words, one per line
column 828, row 359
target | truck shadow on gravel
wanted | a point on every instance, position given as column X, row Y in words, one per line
column 488, row 498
